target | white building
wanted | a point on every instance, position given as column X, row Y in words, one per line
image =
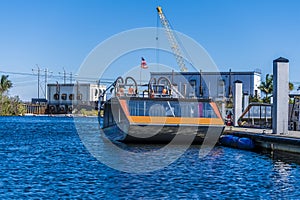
column 63, row 98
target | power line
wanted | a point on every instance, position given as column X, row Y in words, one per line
column 72, row 76
column 18, row 73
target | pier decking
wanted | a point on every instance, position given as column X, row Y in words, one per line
column 265, row 139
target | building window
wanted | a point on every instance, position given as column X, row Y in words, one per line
column 221, row 88
column 56, row 96
column 71, row 97
column 64, row 96
column 193, row 87
column 79, row 97
column 193, row 83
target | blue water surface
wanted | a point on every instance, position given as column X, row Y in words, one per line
column 44, row 158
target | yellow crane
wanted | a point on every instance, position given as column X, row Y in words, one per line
column 172, row 40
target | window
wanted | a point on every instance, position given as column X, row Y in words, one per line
column 79, row 97
column 221, row 88
column 56, row 96
column 193, row 84
column 71, row 97
column 64, row 96
column 255, row 93
column 192, row 88
column 171, row 109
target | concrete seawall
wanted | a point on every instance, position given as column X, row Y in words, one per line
column 264, row 139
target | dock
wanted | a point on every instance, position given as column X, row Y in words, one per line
column 265, row 139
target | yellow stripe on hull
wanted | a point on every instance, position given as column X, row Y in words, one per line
column 174, row 120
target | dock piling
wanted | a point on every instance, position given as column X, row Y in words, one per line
column 280, row 96
column 238, row 101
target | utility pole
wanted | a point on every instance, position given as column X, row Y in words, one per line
column 46, row 78
column 38, row 84
column 39, row 72
column 71, row 78
column 64, row 76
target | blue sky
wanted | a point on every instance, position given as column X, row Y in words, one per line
column 58, row 34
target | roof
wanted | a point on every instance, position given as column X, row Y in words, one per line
column 206, row 73
column 238, row 81
column 38, row 100
column 282, row 60
column 74, row 84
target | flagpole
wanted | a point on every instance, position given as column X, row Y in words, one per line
column 140, row 75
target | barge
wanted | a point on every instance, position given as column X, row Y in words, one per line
column 157, row 114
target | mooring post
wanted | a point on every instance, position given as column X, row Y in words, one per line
column 237, row 101
column 280, row 96
column 246, row 101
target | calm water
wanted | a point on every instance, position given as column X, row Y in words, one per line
column 43, row 157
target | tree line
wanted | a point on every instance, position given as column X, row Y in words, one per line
column 9, row 105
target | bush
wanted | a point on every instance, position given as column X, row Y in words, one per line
column 10, row 106
column 88, row 112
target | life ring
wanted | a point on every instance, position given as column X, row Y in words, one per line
column 62, row 108
column 52, row 108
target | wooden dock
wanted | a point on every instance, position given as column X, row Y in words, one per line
column 265, row 139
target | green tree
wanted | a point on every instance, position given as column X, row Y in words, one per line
column 254, row 98
column 9, row 105
column 5, row 84
column 291, row 86
column 267, row 88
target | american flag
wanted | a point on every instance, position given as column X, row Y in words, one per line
column 144, row 64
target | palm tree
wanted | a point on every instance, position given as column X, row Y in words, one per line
column 267, row 87
column 5, row 84
column 291, row 86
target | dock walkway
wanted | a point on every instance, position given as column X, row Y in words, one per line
column 230, row 129
column 264, row 138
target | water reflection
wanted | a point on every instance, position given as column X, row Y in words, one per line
column 291, row 158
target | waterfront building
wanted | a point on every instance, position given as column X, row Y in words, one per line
column 64, row 98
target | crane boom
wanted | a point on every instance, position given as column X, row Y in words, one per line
column 172, row 40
